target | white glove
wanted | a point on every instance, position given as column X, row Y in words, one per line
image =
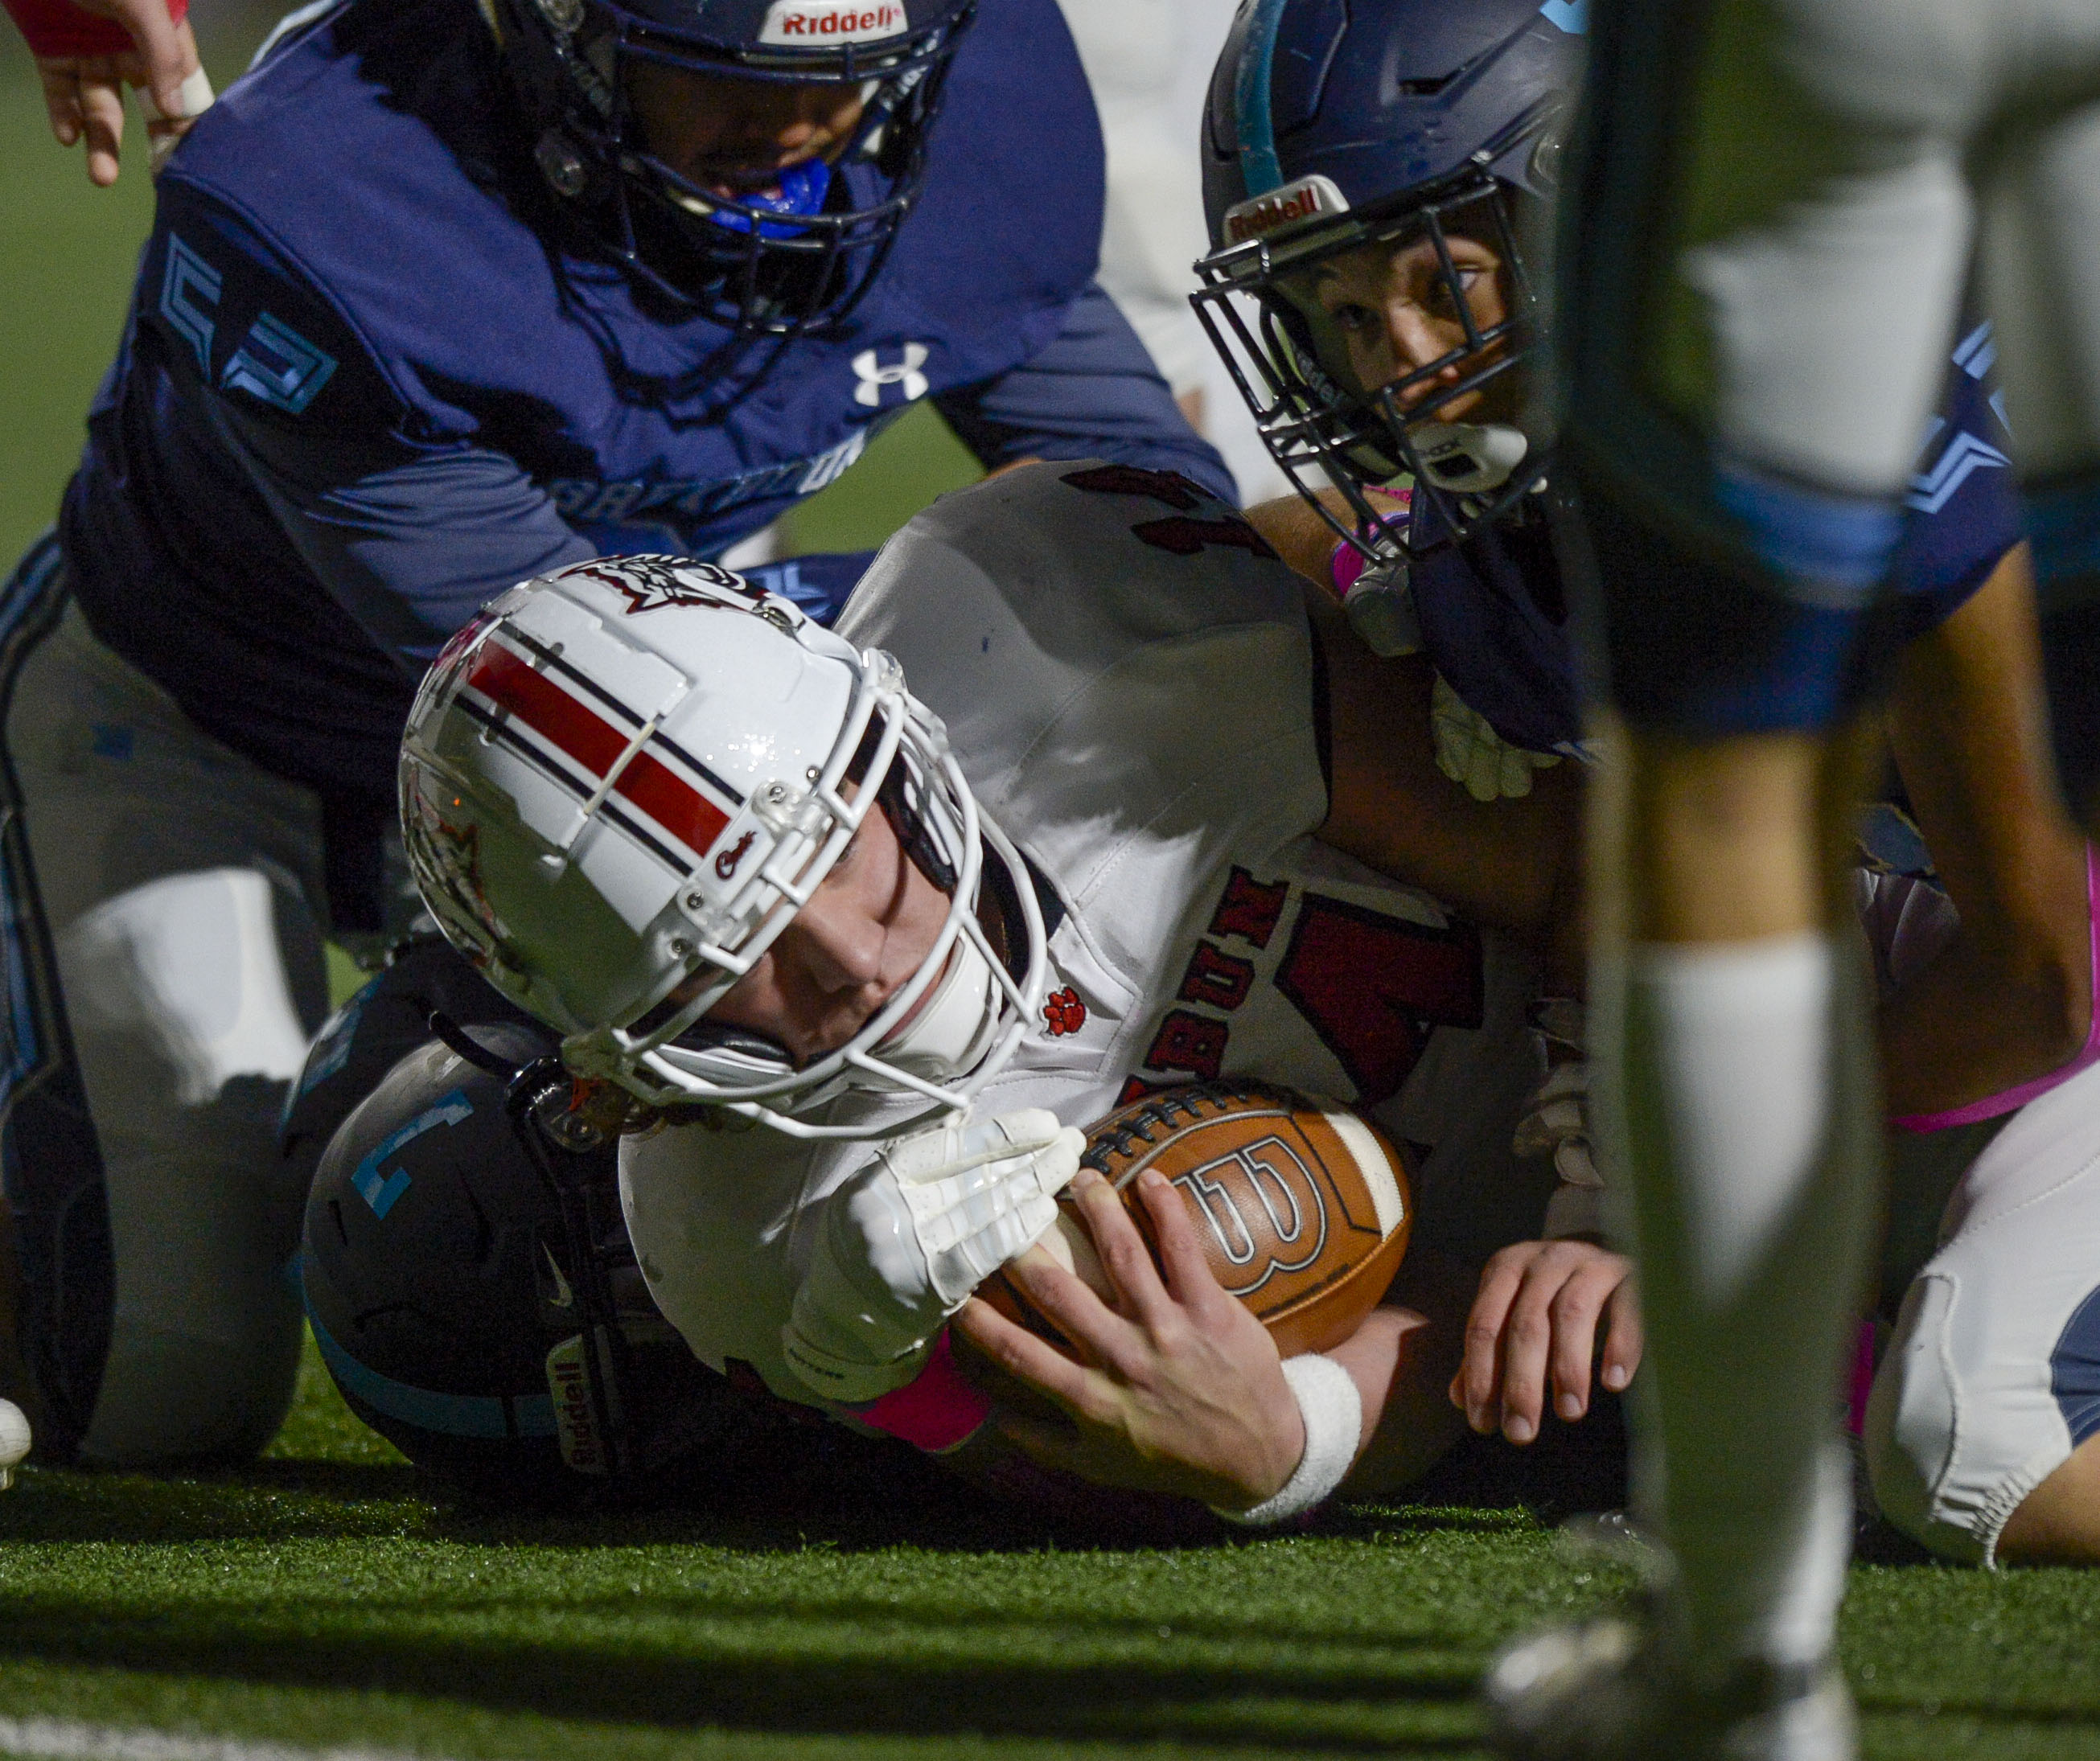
column 1555, row 1122
column 902, row 1243
column 1470, row 752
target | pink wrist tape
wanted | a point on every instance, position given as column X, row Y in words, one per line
column 938, row 1412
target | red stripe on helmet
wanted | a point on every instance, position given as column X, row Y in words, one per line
column 672, row 801
column 595, row 744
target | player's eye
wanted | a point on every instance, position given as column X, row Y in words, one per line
column 1353, row 319
column 1444, row 296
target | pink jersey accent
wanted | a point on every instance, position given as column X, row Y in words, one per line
column 1345, row 562
column 58, row 27
column 938, row 1412
column 2010, row 1100
column 1862, row 1379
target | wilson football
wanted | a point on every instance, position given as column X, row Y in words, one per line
column 1303, row 1207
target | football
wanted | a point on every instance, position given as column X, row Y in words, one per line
column 1303, row 1207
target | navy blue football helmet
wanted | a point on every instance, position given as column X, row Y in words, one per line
column 388, row 1018
column 470, row 1282
column 1333, row 124
column 772, row 263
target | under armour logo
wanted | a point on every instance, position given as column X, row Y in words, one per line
column 873, row 376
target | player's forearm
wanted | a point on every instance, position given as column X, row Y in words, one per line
column 1402, row 1359
column 1297, row 533
column 1513, row 864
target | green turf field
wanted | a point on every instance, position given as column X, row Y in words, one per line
column 321, row 1600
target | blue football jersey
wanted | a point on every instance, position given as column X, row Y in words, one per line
column 368, row 381
column 1494, row 618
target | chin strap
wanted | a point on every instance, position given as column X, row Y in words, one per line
column 956, row 1028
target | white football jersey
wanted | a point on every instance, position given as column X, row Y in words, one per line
column 1127, row 676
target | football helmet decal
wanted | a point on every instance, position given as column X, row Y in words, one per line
column 614, row 817
column 1390, row 121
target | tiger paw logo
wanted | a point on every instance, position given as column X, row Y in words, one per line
column 1063, row 1012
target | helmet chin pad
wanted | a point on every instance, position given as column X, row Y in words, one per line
column 957, row 1027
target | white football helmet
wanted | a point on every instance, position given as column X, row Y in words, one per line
column 620, row 782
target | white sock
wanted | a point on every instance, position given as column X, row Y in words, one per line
column 1737, row 1111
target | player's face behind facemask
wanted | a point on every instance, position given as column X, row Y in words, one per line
column 733, row 139
column 1392, row 320
column 1419, row 328
column 871, row 923
column 1369, row 290
column 624, row 787
column 753, row 158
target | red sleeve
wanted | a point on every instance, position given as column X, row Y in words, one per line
column 59, row 28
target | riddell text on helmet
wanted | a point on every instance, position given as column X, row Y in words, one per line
column 1306, row 199
column 815, row 21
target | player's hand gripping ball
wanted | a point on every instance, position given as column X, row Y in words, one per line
column 1303, row 1207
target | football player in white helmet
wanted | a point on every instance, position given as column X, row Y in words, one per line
column 656, row 799
column 1140, row 814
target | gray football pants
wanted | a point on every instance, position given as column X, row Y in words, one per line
column 1831, row 168
column 181, row 888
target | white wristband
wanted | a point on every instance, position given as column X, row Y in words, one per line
column 1333, row 1415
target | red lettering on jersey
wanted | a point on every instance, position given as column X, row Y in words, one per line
column 1137, row 1088
column 1169, row 486
column 1248, row 909
column 1188, row 1043
column 1372, row 987
column 1216, row 979
column 1185, row 535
